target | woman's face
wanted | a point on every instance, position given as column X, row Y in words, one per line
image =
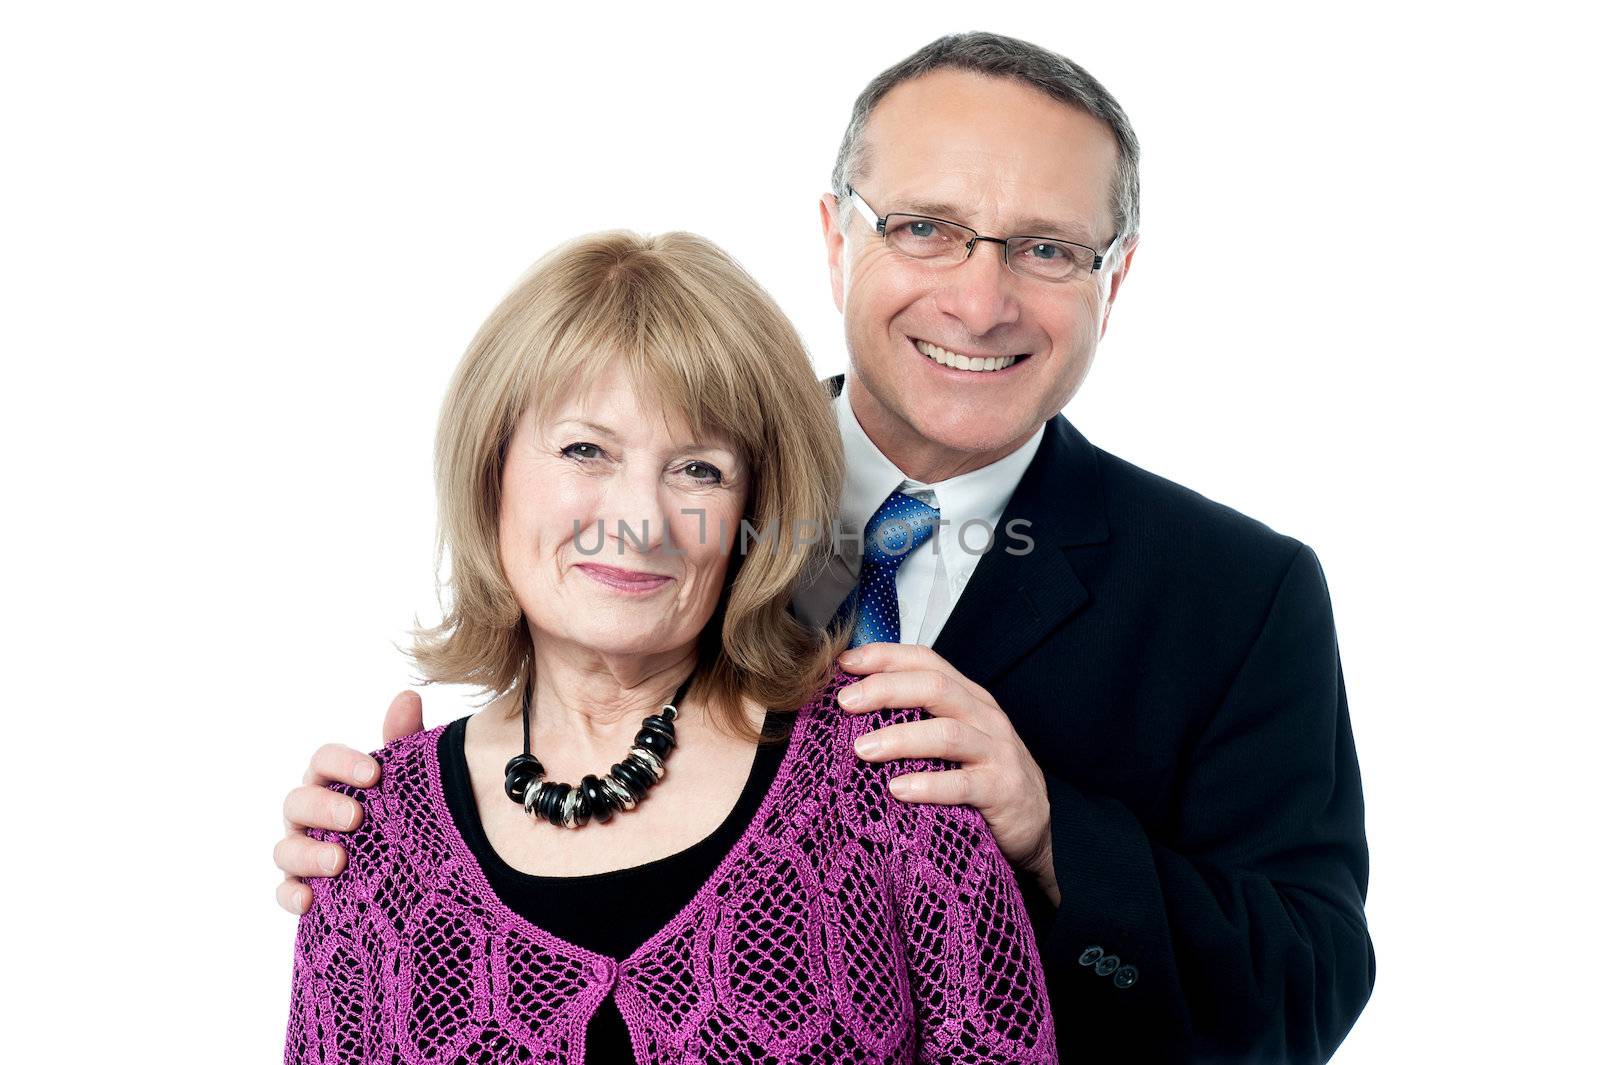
column 609, row 523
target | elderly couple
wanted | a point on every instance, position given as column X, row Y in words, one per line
column 924, row 791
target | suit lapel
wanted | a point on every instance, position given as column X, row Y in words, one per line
column 1013, row 601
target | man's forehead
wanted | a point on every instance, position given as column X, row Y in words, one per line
column 994, row 198
column 984, row 150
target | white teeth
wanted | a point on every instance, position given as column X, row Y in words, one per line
column 964, row 362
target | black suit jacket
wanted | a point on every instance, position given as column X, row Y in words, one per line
column 1172, row 666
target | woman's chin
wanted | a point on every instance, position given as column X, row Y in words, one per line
column 622, row 639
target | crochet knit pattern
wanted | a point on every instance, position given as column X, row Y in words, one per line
column 844, row 927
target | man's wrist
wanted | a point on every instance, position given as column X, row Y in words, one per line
column 1043, row 871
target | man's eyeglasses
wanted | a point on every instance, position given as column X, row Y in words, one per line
column 939, row 242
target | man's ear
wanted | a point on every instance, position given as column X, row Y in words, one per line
column 833, row 237
column 1124, row 261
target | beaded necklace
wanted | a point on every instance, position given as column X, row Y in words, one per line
column 594, row 798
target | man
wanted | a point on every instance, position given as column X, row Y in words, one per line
column 1141, row 688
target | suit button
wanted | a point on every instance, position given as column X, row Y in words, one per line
column 1090, row 956
column 1107, row 965
column 1125, row 976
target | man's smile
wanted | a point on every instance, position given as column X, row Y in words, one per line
column 971, row 362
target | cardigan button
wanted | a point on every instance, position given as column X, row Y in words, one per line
column 601, row 970
column 1125, row 976
column 1089, row 956
column 1107, row 965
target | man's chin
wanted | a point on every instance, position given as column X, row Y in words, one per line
column 982, row 436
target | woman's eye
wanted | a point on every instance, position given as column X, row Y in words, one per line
column 703, row 471
column 577, row 451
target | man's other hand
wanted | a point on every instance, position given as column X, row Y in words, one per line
column 313, row 806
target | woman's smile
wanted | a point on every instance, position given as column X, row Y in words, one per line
column 626, row 581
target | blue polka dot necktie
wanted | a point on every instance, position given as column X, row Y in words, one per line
column 900, row 526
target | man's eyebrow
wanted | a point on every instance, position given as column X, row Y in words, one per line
column 1036, row 226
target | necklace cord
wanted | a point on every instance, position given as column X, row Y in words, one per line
column 527, row 699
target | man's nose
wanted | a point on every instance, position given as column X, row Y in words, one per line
column 981, row 289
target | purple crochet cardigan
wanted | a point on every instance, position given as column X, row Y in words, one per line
column 844, row 926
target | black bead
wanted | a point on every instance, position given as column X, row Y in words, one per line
column 641, row 767
column 551, row 800
column 629, row 774
column 519, row 781
column 597, row 797
column 653, row 742
column 524, row 759
column 657, row 723
column 580, row 809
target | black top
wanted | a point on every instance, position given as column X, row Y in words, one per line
column 610, row 913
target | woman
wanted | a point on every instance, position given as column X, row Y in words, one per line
column 737, row 886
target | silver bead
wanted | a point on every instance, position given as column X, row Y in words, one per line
column 569, row 810
column 532, row 796
column 618, row 791
column 651, row 762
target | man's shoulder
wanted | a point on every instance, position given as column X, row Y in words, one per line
column 1170, row 520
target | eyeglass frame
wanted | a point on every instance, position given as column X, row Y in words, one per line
column 880, row 224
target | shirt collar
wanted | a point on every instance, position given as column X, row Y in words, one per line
column 979, row 494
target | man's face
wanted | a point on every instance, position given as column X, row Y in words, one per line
column 1006, row 160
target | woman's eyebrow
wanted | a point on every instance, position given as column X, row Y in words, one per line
column 601, row 430
column 579, row 423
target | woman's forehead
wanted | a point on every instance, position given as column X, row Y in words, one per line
column 623, row 412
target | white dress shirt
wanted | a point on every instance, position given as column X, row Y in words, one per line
column 930, row 580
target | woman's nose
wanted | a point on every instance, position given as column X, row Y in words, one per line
column 637, row 518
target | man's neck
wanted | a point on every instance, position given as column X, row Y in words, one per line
column 919, row 458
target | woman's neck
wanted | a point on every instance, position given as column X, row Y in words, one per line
column 587, row 707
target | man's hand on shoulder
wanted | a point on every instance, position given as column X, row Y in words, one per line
column 995, row 773
column 312, row 805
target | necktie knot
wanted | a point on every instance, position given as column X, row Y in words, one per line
column 899, row 526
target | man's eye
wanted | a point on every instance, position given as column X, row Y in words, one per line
column 1046, row 251
column 576, row 451
column 703, row 471
column 922, row 230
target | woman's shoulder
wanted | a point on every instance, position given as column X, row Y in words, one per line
column 404, row 798
column 864, row 798
column 403, row 770
column 842, row 727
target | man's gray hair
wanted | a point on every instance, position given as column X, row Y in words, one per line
column 1004, row 57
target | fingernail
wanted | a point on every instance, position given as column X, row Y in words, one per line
column 363, row 772
column 347, row 815
column 328, row 860
column 866, row 746
column 849, row 697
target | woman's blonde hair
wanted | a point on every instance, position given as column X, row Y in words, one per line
column 697, row 334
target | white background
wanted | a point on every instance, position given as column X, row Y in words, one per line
column 244, row 247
